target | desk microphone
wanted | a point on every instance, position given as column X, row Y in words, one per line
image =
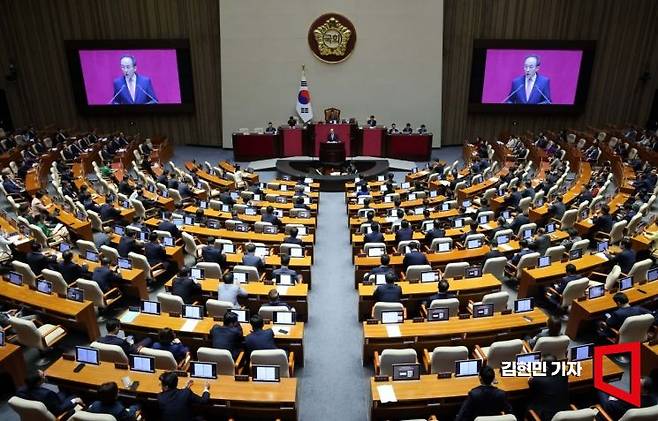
column 116, row 95
column 155, row 101
column 542, row 94
column 510, row 95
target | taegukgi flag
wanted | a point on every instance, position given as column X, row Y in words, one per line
column 304, row 109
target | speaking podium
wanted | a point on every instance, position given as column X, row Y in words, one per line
column 341, row 130
column 332, row 153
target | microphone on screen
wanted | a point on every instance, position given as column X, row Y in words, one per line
column 512, row 94
column 116, row 95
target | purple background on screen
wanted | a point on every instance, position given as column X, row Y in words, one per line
column 560, row 66
column 101, row 67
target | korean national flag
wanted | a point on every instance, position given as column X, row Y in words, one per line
column 304, row 109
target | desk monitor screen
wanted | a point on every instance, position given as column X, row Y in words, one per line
column 235, row 195
column 483, row 310
column 523, row 305
column 596, row 291
column 544, row 261
column 192, row 312
column 212, row 223
column 203, row 204
column 550, row 228
column 150, row 307
column 119, row 230
column 506, row 214
column 434, row 193
column 250, row 211
column 197, row 273
column 582, row 352
column 151, row 188
column 44, row 286
column 602, row 246
column 168, row 241
column 270, row 229
column 419, row 211
column 625, row 283
column 302, row 230
column 2, row 338
column 428, row 226
column 261, row 252
column 380, row 279
column 396, row 316
column 240, row 277
column 284, row 279
column 652, row 274
column 438, row 314
column 296, row 252
column 65, row 247
column 527, row 233
column 539, row 202
column 284, row 317
column 443, row 247
column 75, row 294
column 228, row 248
column 412, row 196
column 465, row 368
column 86, row 355
column 92, row 256
column 376, row 251
column 142, row 363
column 283, row 187
column 265, row 373
column 144, row 235
column 405, row 185
column 243, row 315
column 165, row 193
column 502, row 239
column 575, row 254
column 528, row 358
column 189, row 220
column 445, row 206
column 203, row 370
column 459, row 223
column 584, row 214
column 473, row 272
column 484, row 219
column 473, row 244
column 406, row 372
column 15, row 278
column 81, row 216
column 242, row 227
column 227, row 208
column 179, row 222
column 125, row 263
column 466, row 203
column 429, row 277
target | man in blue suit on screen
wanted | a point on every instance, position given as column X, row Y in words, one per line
column 531, row 88
column 132, row 88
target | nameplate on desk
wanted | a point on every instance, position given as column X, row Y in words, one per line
column 372, row 321
column 393, row 331
column 386, row 393
column 128, row 316
column 281, row 329
column 381, row 378
column 189, row 325
column 241, row 378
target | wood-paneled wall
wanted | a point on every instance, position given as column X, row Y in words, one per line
column 627, row 46
column 32, row 34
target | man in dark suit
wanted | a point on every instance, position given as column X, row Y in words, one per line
column 624, row 310
column 131, row 88
column 184, row 190
column 37, row 260
column 383, row 268
column 389, row 292
column 514, row 198
column 56, row 403
column 371, row 121
column 108, row 403
column 549, row 394
column 627, row 258
column 616, row 408
column 520, row 219
column 213, row 254
column 258, row 338
column 128, row 244
column 225, row 198
column 155, row 253
column 292, row 238
column 405, row 232
column 525, row 249
column 112, row 338
column 531, row 87
column 438, row 231
column 229, row 336
column 285, row 270
column 104, row 276
column 528, row 191
column 176, row 404
column 542, row 241
column 69, row 270
column 167, row 225
column 270, row 217
column 569, row 277
column 414, row 257
column 603, row 222
column 375, row 236
column 484, row 399
column 332, row 137
column 108, row 212
column 10, row 186
column 557, row 208
column 185, row 287
column 442, row 293
column 250, row 258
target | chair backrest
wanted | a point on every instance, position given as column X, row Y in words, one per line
column 443, row 358
column 252, row 272
column 649, row 413
column 24, row 269
column 27, row 333
column 139, row 207
column 503, row 351
column 29, row 410
column 405, row 243
column 531, row 226
column 632, row 224
column 414, row 271
column 259, row 226
column 574, row 290
column 96, row 222
column 267, row 312
column 452, row 304
column 555, row 253
column 38, row 235
column 110, row 253
column 636, row 328
column 162, row 234
column 211, row 270
column 59, row 284
column 91, row 416
column 175, row 195
column 585, row 414
column 580, row 245
column 617, row 232
column 92, row 292
column 84, row 246
column 498, row 299
column 285, row 248
column 524, row 203
column 453, row 270
column 382, row 306
column 497, row 234
column 170, row 303
column 441, row 240
column 640, row 270
column 388, row 357
column 496, row 267
column 526, row 260
column 568, row 219
column 506, row 417
column 473, row 237
column 140, row 262
column 216, row 308
column 164, row 360
column 110, row 353
column 271, row 357
column 553, row 345
column 613, row 276
column 222, row 357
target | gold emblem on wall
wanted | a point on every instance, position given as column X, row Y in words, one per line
column 332, row 37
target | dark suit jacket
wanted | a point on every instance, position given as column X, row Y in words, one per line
column 143, row 89
column 543, row 243
column 108, row 212
column 617, row 408
column 250, row 259
column 104, row 277
column 115, row 340
column 212, row 254
column 602, row 223
column 540, row 94
column 292, row 240
column 389, row 293
column 229, row 338
column 520, row 219
column 404, row 234
column 169, row 227
column 56, row 403
column 414, row 258
column 259, row 339
column 271, row 218
column 625, row 260
column 127, row 245
column 556, row 210
column 155, row 253
column 383, row 270
column 70, row 271
column 374, row 237
column 549, row 395
column 439, row 296
column 565, row 281
column 618, row 316
column 483, row 400
column 176, row 404
column 186, row 288
column 434, row 233
column 38, row 262
column 116, row 409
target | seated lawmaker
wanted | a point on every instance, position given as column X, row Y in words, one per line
column 57, row 403
column 185, row 287
column 442, row 293
column 616, row 408
column 624, row 310
column 104, row 276
column 230, row 292
column 250, row 258
column 114, row 337
column 213, row 254
column 129, row 244
column 389, row 292
column 37, row 260
column 229, row 336
column 167, row 341
column 383, row 268
column 408, row 129
column 374, row 236
column 285, row 270
column 70, row 270
column 258, row 338
column 177, row 404
column 167, row 225
column 405, row 232
column 292, row 237
column 108, row 403
column 484, row 400
column 270, row 217
column 414, row 257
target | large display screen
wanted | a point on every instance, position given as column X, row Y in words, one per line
column 532, row 76
column 128, row 76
